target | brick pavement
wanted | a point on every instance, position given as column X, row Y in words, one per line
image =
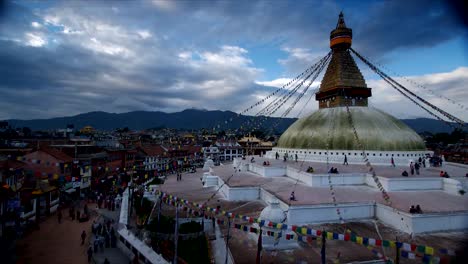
column 55, row 243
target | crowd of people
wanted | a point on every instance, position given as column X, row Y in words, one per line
column 108, row 201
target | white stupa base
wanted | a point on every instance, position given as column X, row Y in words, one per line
column 353, row 156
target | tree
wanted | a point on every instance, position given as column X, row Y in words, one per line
column 26, row 131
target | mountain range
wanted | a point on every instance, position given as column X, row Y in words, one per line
column 189, row 119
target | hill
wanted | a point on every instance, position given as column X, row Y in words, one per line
column 189, row 119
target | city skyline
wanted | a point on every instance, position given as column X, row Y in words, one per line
column 66, row 58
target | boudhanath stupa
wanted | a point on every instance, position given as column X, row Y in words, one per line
column 328, row 130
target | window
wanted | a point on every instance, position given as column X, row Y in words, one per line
column 398, row 155
column 373, row 154
column 320, row 153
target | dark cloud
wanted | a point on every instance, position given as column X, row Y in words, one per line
column 71, row 57
column 396, row 25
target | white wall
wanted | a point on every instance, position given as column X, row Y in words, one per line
column 301, row 215
column 210, row 181
column 354, row 157
column 123, row 219
column 266, row 171
column 420, row 223
column 452, row 186
column 439, row 222
column 140, row 246
column 244, row 193
column 410, row 183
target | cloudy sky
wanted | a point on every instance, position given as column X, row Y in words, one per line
column 61, row 58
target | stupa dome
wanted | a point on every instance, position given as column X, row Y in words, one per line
column 273, row 213
column 377, row 131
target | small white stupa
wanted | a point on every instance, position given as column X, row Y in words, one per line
column 275, row 214
column 209, row 163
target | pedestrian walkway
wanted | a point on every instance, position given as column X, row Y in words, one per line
column 55, row 243
column 113, row 255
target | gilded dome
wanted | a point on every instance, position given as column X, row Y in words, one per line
column 376, row 130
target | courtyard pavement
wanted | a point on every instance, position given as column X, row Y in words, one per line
column 191, row 188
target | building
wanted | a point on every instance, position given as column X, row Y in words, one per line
column 254, row 146
column 155, row 157
column 228, row 150
column 87, row 130
column 327, row 135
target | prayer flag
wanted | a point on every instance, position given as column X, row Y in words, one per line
column 359, row 240
column 347, row 237
column 421, row 249
column 429, row 251
column 365, row 241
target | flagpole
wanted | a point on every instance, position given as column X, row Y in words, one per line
column 176, row 233
column 323, row 252
column 259, row 248
column 227, row 240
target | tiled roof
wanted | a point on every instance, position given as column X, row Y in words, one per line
column 57, row 154
column 153, row 150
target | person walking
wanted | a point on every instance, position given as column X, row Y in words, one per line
column 392, row 161
column 295, row 157
column 412, row 168
column 416, row 167
column 345, row 160
column 83, row 237
column 72, row 213
column 90, row 253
